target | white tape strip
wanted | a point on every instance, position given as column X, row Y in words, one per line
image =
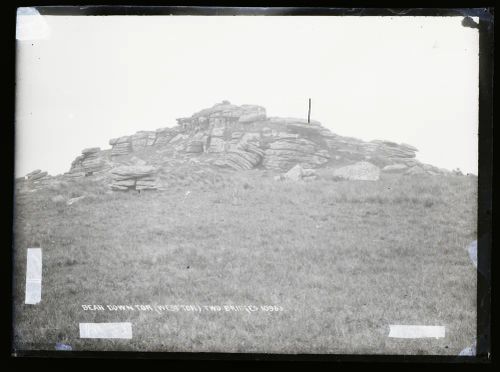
column 416, row 331
column 31, row 25
column 472, row 249
column 33, row 294
column 105, row 330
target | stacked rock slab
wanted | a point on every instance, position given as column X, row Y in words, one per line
column 136, row 142
column 244, row 152
column 296, row 141
column 222, row 115
column 134, row 177
column 89, row 162
column 219, row 121
column 378, row 151
column 32, row 174
column 288, row 147
column 196, row 143
column 120, row 146
column 164, row 135
column 390, row 151
column 216, row 142
column 36, row 175
column 141, row 140
column 194, row 147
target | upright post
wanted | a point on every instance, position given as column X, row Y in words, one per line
column 309, row 113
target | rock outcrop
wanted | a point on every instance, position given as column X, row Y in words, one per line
column 244, row 137
column 134, row 177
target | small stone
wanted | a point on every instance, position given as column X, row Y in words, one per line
column 294, row 174
column 74, row 200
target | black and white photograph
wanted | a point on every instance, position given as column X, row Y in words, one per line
column 257, row 184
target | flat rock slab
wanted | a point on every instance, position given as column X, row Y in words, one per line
column 363, row 171
column 91, row 150
column 36, row 171
column 38, row 176
column 395, row 168
column 133, row 170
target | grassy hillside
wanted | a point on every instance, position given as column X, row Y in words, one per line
column 344, row 260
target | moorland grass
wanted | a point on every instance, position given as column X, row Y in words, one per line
column 343, row 259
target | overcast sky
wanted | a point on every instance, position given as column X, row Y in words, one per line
column 84, row 80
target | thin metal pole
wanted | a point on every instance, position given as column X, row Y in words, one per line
column 309, row 113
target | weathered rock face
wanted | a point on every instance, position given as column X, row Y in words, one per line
column 362, row 171
column 127, row 144
column 195, row 147
column 381, row 153
column 243, row 152
column 284, row 152
column 135, row 177
column 222, row 115
column 164, row 135
column 120, row 146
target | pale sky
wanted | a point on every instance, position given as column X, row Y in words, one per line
column 83, row 80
